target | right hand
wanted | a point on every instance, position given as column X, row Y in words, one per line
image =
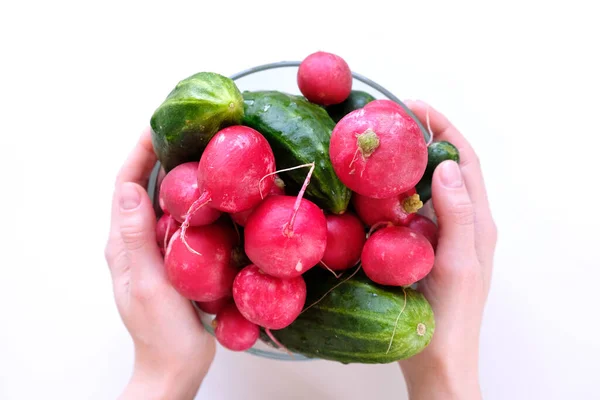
column 459, row 282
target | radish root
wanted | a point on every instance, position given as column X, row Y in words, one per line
column 165, row 241
column 396, row 325
column 332, row 289
column 200, row 202
column 330, row 270
column 278, row 343
column 377, row 226
column 288, row 230
column 276, row 172
column 428, row 127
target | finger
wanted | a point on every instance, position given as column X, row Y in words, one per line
column 471, row 172
column 137, row 225
column 455, row 213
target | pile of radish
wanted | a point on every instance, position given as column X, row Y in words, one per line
column 256, row 280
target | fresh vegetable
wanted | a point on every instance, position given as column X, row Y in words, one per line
column 324, row 78
column 357, row 320
column 425, row 227
column 278, row 189
column 397, row 256
column 298, row 133
column 213, row 307
column 345, row 240
column 179, row 190
column 265, row 300
column 357, row 99
column 285, row 241
column 191, row 115
column 208, row 274
column 437, row 152
column 233, row 331
column 385, row 103
column 399, row 210
column 378, row 152
column 166, row 226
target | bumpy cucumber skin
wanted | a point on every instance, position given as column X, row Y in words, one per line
column 437, row 152
column 357, row 99
column 195, row 110
column 299, row 133
column 354, row 323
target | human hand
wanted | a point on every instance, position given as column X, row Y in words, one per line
column 459, row 282
column 172, row 350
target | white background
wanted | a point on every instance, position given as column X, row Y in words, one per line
column 80, row 80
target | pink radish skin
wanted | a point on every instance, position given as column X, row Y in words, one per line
column 265, row 300
column 278, row 189
column 324, row 78
column 278, row 250
column 179, row 190
column 385, row 103
column 205, row 277
column 399, row 210
column 213, row 307
column 426, row 227
column 162, row 236
column 231, row 167
column 397, row 256
column 233, row 331
column 345, row 240
column 378, row 152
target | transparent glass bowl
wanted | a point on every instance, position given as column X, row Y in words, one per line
column 277, row 76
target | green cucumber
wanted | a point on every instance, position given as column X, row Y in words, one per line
column 355, row 322
column 437, row 152
column 195, row 110
column 299, row 133
column 357, row 99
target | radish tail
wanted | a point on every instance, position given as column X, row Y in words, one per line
column 276, row 172
column 278, row 343
column 289, row 228
column 330, row 290
column 377, row 226
column 200, row 202
column 397, row 319
column 330, row 270
column 165, row 241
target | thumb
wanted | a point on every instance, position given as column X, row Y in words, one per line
column 455, row 214
column 137, row 225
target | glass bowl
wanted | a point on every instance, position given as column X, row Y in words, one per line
column 277, row 76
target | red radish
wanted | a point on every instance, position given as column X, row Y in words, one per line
column 345, row 240
column 206, row 275
column 397, row 256
column 234, row 331
column 425, row 227
column 265, row 300
column 324, row 78
column 282, row 242
column 241, row 218
column 378, row 152
column 399, row 210
column 179, row 190
column 213, row 307
column 165, row 228
column 385, row 103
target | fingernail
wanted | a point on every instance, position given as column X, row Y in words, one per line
column 130, row 196
column 451, row 176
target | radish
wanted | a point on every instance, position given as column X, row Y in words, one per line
column 278, row 188
column 165, row 228
column 425, row 227
column 397, row 256
column 206, row 274
column 399, row 210
column 345, row 240
column 268, row 301
column 378, row 152
column 385, row 103
column 324, row 78
column 213, row 307
column 233, row 331
column 179, row 190
column 285, row 239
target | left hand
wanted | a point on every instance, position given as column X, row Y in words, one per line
column 172, row 350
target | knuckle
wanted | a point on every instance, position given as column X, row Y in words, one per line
column 463, row 214
column 133, row 237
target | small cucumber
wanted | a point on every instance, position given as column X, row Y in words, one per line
column 436, row 154
column 356, row 321
column 195, row 110
column 357, row 99
column 299, row 133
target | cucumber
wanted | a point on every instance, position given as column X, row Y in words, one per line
column 299, row 133
column 354, row 322
column 436, row 154
column 195, row 110
column 357, row 99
